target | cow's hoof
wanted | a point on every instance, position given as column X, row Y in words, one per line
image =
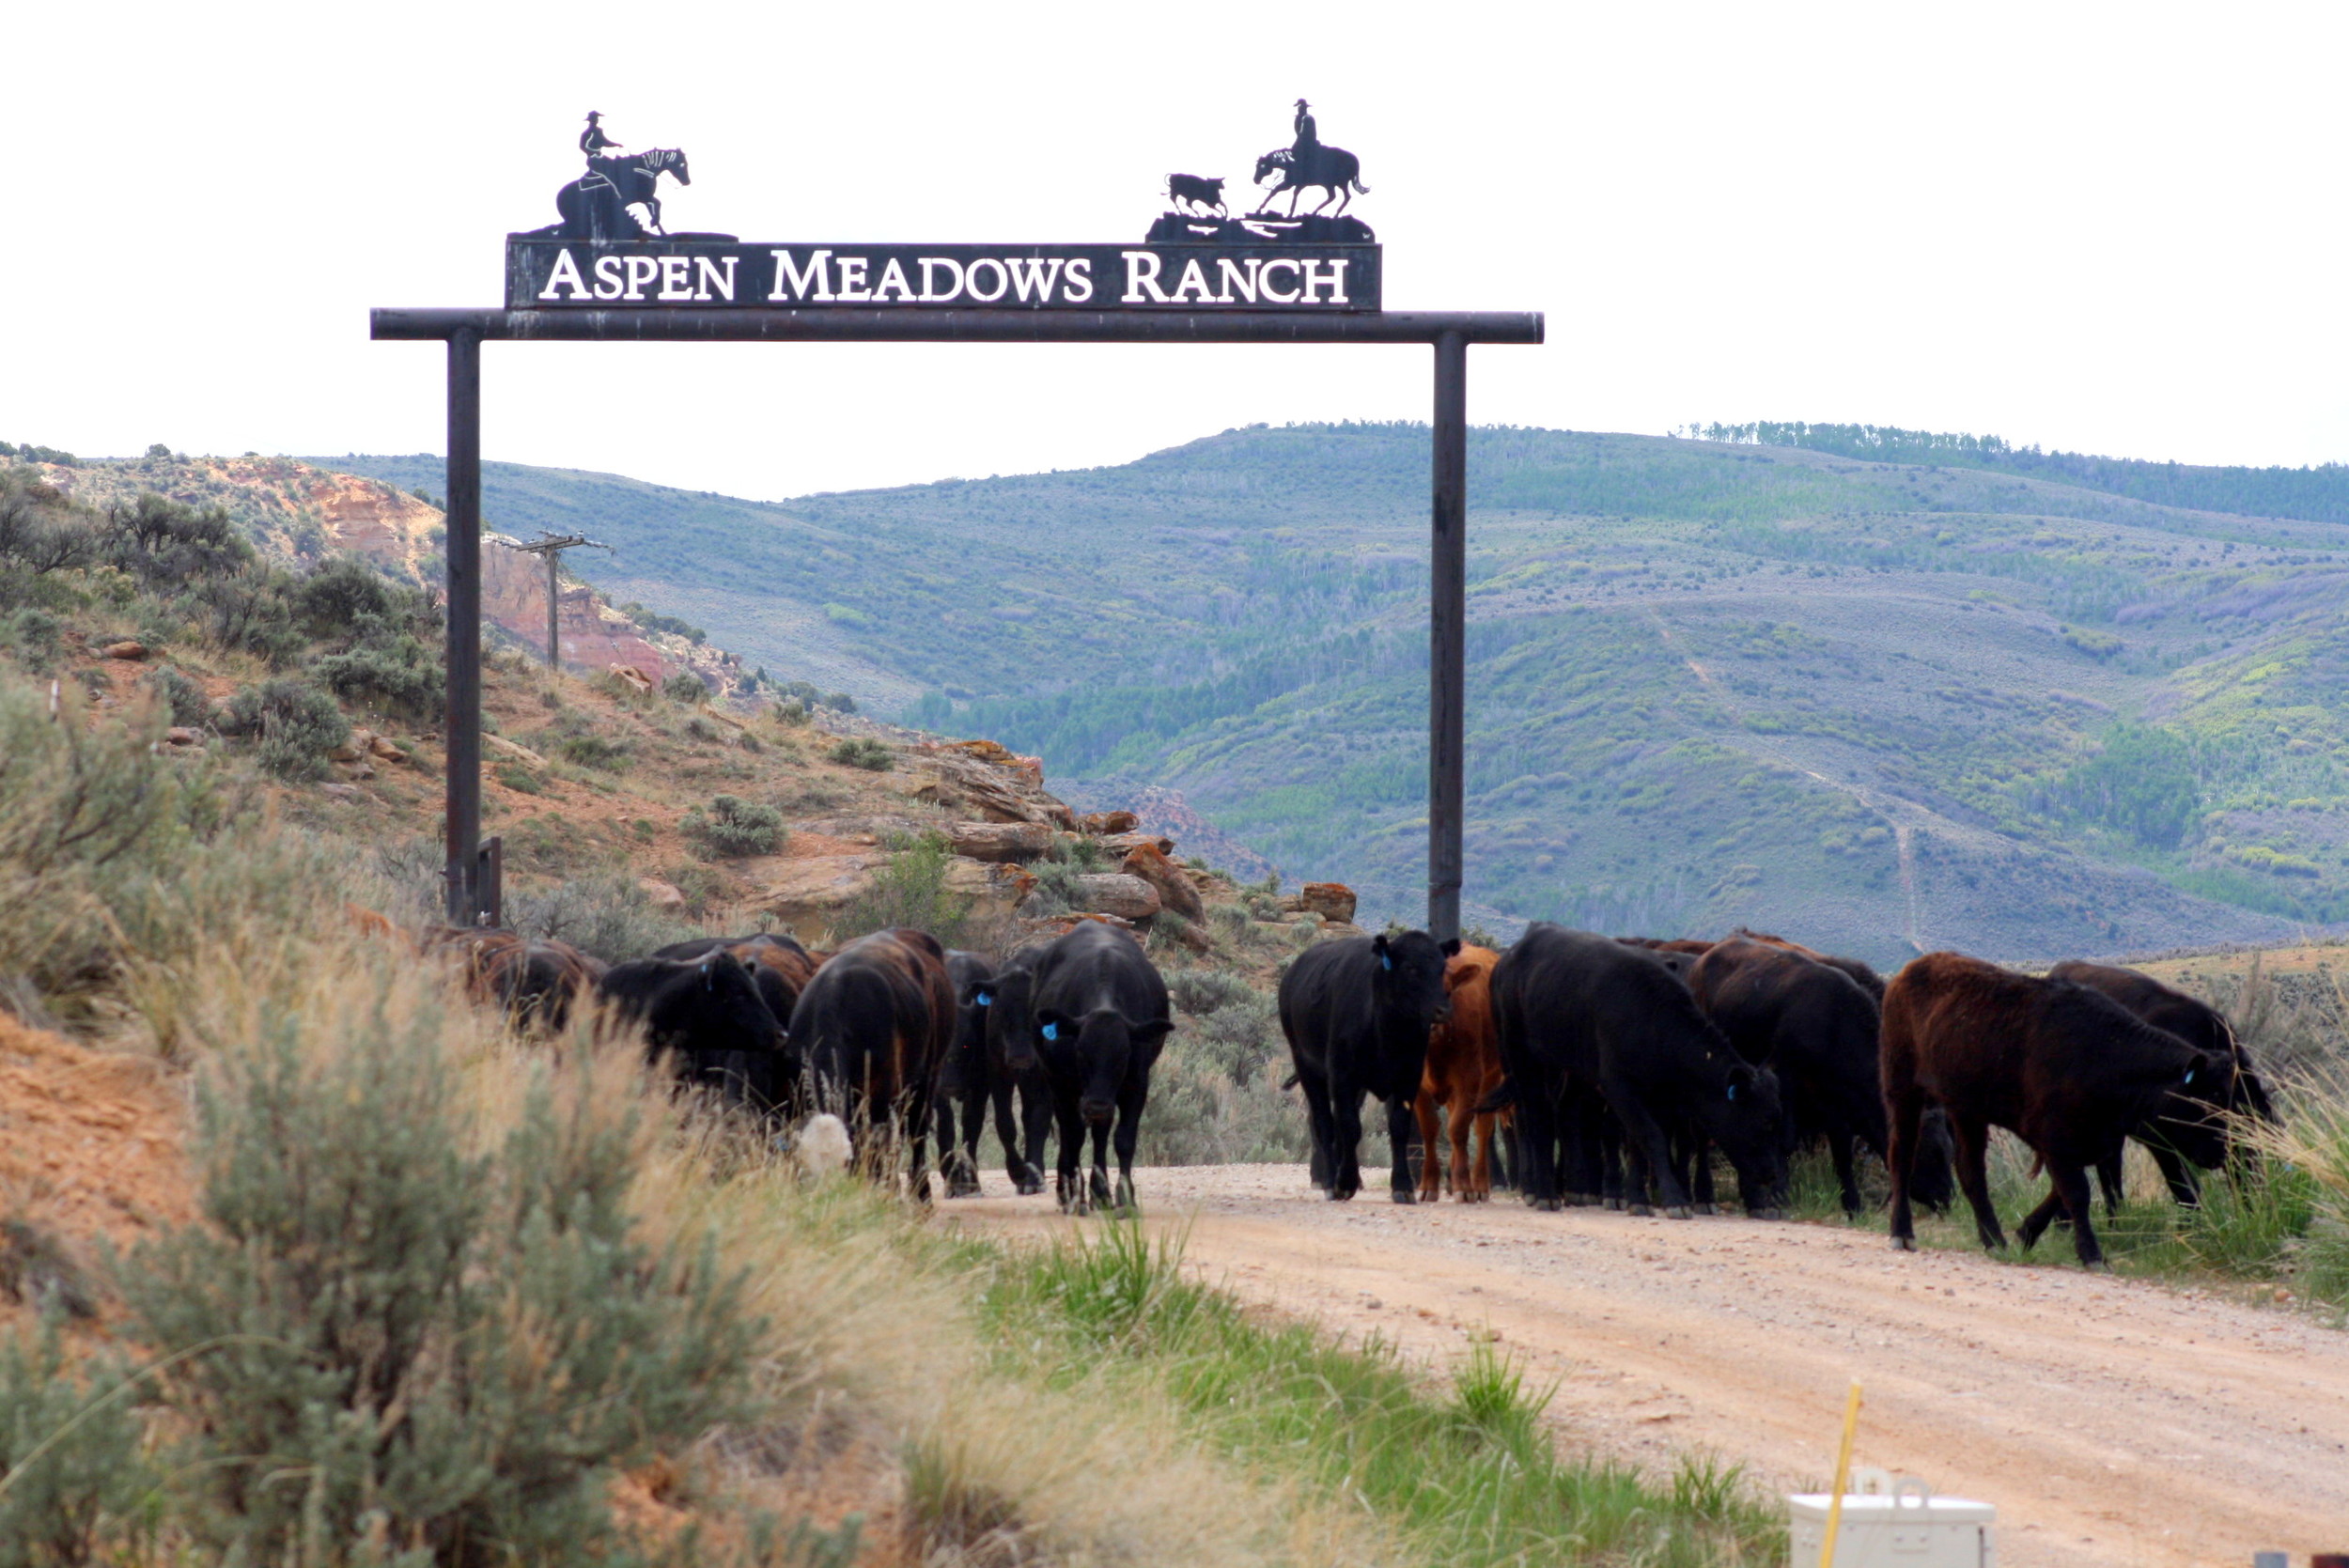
column 1029, row 1189
column 962, row 1189
column 1708, row 1208
column 1637, row 1211
column 1614, row 1206
column 1544, row 1205
column 1769, row 1214
column 1405, row 1195
column 1580, row 1200
column 1428, row 1196
column 2097, row 1266
column 1680, row 1211
column 1903, row 1243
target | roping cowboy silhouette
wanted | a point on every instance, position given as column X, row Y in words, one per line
column 1331, row 170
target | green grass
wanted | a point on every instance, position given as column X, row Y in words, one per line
column 1464, row 1475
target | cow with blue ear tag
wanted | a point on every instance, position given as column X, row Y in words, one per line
column 1357, row 1013
column 1101, row 1017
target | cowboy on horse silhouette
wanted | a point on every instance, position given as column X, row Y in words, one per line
column 1331, row 170
column 596, row 205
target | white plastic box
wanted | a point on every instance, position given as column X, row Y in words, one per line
column 1893, row 1522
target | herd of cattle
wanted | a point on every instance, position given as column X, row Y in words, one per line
column 1581, row 1068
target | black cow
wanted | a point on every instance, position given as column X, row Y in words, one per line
column 2067, row 1069
column 1197, row 191
column 872, row 1029
column 962, row 1079
column 1816, row 1028
column 1356, row 1012
column 1100, row 1019
column 1589, row 1026
column 2193, row 1128
column 709, row 1012
column 778, row 963
column 1012, row 1066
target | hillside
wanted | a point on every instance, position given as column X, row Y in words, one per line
column 1888, row 703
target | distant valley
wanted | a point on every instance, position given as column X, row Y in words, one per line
column 1883, row 697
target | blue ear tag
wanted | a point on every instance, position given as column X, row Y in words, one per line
column 1051, row 1031
column 1386, row 960
column 2190, row 1075
column 1732, row 1091
column 985, row 999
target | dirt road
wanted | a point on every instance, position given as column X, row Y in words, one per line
column 2110, row 1422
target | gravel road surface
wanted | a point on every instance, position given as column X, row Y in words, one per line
column 2111, row 1421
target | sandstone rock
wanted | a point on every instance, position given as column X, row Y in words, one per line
column 1333, row 901
column 360, row 769
column 125, row 649
column 1125, row 844
column 663, row 896
column 1028, row 769
column 340, row 791
column 514, row 749
column 180, row 735
column 985, row 751
column 633, row 677
column 385, row 751
column 344, row 753
column 1113, row 892
column 1000, row 841
column 1149, row 863
column 1103, row 823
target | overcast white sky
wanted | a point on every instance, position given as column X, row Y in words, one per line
column 2115, row 229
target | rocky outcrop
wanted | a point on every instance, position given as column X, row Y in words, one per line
column 1332, row 901
column 1113, row 892
column 978, row 780
column 1103, row 823
column 1151, row 864
column 1001, row 842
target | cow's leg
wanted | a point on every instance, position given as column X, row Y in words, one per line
column 2072, row 1181
column 966, row 1178
column 1401, row 1124
column 1066, row 1186
column 2035, row 1223
column 1346, row 1142
column 1974, row 1177
column 1471, row 1184
column 1036, row 1116
column 1537, row 1137
column 1101, row 1164
column 1607, row 1138
column 2108, row 1176
column 1008, row 1132
column 917, row 1118
column 1645, row 1140
column 1423, row 1106
column 1839, row 1148
column 2186, row 1187
column 959, row 1184
column 1506, row 1161
column 1905, row 1114
column 1324, row 1123
column 1701, row 1174
column 1128, row 1132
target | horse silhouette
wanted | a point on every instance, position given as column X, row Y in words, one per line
column 596, row 205
column 1331, row 169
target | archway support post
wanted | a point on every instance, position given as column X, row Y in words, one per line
column 1447, row 634
column 463, row 728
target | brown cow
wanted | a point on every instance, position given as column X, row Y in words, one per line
column 2065, row 1068
column 1869, row 979
column 871, row 1031
column 1463, row 1069
column 536, row 980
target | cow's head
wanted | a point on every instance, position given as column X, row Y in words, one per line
column 2197, row 1119
column 1098, row 1051
column 728, row 1002
column 1408, row 984
column 1745, row 1115
column 1011, row 1035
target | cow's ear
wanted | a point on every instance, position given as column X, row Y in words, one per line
column 1051, row 1025
column 1741, row 1080
column 979, row 993
column 1378, row 945
column 2199, row 1067
column 1452, row 947
column 1152, row 1033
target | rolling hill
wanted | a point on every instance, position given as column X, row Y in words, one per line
column 1882, row 704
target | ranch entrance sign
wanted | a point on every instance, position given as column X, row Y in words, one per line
column 608, row 271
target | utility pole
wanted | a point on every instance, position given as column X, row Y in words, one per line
column 550, row 547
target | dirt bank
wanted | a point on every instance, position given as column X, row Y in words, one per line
column 2111, row 1421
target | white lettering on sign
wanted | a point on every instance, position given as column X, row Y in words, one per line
column 1193, row 287
column 1142, row 272
column 1081, row 280
column 641, row 270
column 608, row 283
column 1336, row 280
column 1033, row 277
column 970, row 280
column 707, row 277
column 677, row 278
column 1234, row 284
column 1265, row 280
column 791, row 282
column 853, row 278
column 931, row 267
column 566, row 275
column 893, row 279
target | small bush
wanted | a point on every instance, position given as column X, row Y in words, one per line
column 399, row 676
column 699, row 728
column 910, row 890
column 1202, row 991
column 34, row 637
column 294, row 724
column 515, row 777
column 608, row 916
column 165, row 543
column 596, row 751
column 793, row 713
column 840, row 701
column 685, row 687
column 78, row 1482
column 733, row 827
column 186, row 702
column 1056, row 890
column 448, row 1333
column 865, row 752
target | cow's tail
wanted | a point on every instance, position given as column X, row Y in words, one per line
column 1360, row 189
column 1500, row 1098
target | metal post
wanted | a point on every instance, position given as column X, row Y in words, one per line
column 1447, row 624
column 464, row 626
column 555, row 565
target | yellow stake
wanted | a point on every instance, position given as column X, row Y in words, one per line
column 1843, row 1478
